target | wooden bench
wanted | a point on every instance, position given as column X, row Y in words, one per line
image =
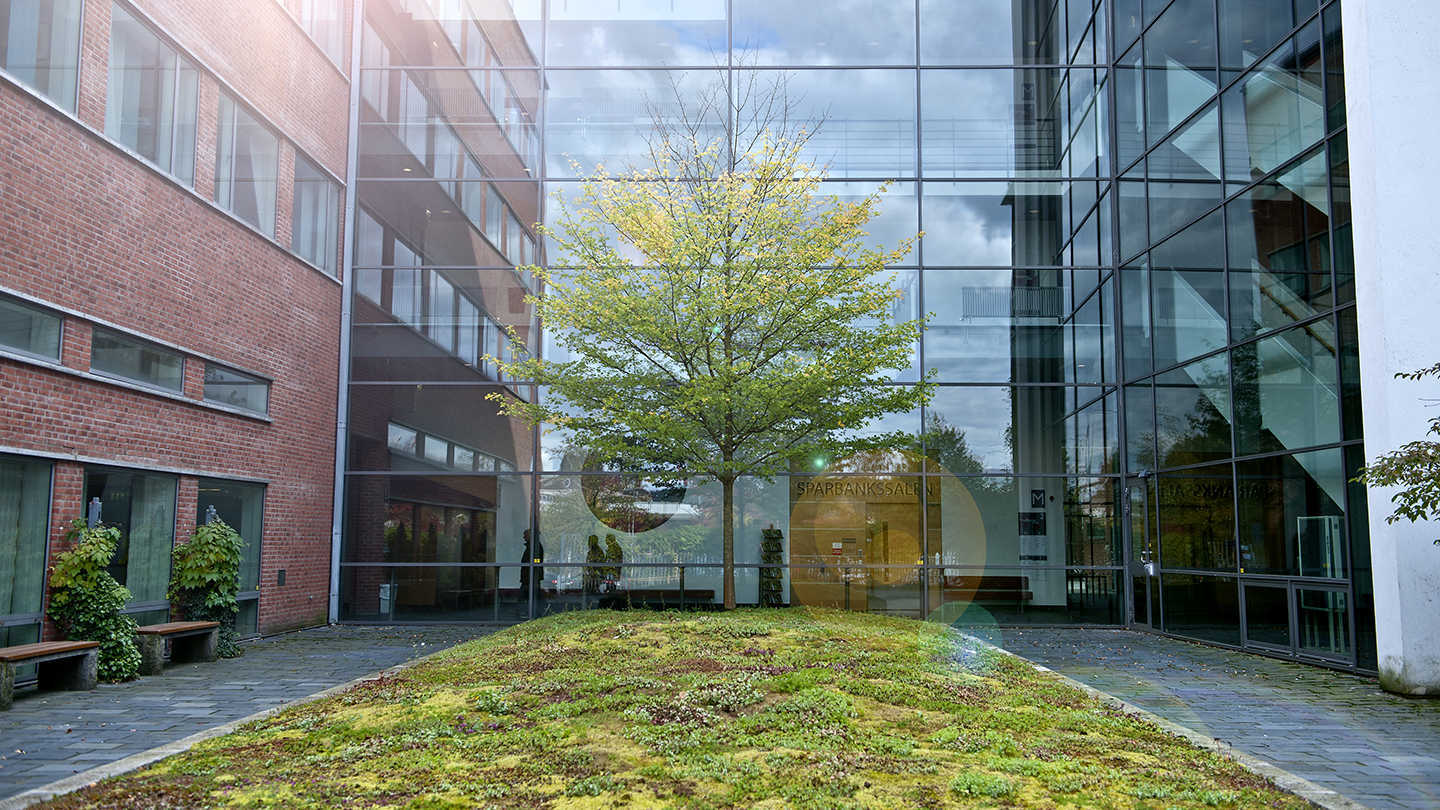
column 189, row 641
column 989, row 590
column 659, row 598
column 59, row 665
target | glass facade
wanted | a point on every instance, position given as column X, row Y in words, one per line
column 1135, row 245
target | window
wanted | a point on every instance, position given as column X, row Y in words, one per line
column 494, row 216
column 324, row 21
column 405, row 295
column 135, row 359
column 142, row 507
column 469, row 328
column 236, row 389
column 440, row 325
column 315, row 217
column 514, row 240
column 472, row 192
column 29, row 329
column 24, row 534
column 437, row 450
column 151, row 103
column 447, row 154
column 464, row 458
column 402, row 439
column 241, row 506
column 246, row 164
column 40, row 46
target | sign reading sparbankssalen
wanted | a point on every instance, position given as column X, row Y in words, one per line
column 857, row 488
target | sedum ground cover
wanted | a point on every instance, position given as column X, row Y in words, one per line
column 774, row 708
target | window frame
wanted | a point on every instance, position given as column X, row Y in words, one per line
column 252, row 379
column 143, row 344
column 71, row 104
column 180, row 63
column 59, row 317
column 239, row 108
column 247, row 595
column 329, row 222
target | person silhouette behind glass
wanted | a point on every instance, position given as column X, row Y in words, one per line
column 615, row 559
column 594, row 571
column 534, row 552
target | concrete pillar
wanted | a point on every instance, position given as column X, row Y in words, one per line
column 1392, row 90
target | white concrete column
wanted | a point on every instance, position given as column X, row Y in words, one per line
column 1392, row 102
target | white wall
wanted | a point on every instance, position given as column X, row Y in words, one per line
column 1392, row 78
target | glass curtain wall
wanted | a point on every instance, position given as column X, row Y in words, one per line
column 1237, row 324
column 1117, row 217
column 439, row 499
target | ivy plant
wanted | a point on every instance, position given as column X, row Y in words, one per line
column 85, row 601
column 205, row 579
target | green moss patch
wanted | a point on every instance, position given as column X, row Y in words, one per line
column 754, row 708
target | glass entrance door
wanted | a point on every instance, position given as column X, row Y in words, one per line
column 1141, row 554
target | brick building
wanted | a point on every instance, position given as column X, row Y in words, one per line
column 170, row 219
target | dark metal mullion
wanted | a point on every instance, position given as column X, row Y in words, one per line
column 918, row 168
column 533, row 476
column 1127, row 513
column 1327, row 147
column 1225, row 276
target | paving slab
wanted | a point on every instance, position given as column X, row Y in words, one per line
column 47, row 736
column 1333, row 728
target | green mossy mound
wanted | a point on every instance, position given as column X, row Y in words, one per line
column 755, row 708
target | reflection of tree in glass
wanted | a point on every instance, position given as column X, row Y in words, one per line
column 1202, row 433
column 1197, row 520
column 744, row 323
column 947, row 447
column 397, row 541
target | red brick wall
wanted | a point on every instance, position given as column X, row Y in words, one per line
column 86, row 227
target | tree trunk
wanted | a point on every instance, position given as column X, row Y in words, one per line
column 728, row 544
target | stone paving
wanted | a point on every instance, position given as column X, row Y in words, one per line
column 1337, row 730
column 51, row 735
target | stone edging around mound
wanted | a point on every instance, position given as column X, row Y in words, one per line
column 1285, row 780
column 135, row 762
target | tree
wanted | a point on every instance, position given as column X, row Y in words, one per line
column 1414, row 467
column 736, row 322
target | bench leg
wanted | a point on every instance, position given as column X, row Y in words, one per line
column 77, row 673
column 152, row 655
column 204, row 647
column 7, row 684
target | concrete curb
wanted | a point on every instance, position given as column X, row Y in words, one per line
column 1315, row 794
column 135, row 762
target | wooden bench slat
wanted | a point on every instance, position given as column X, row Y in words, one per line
column 170, row 628
column 24, row 652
